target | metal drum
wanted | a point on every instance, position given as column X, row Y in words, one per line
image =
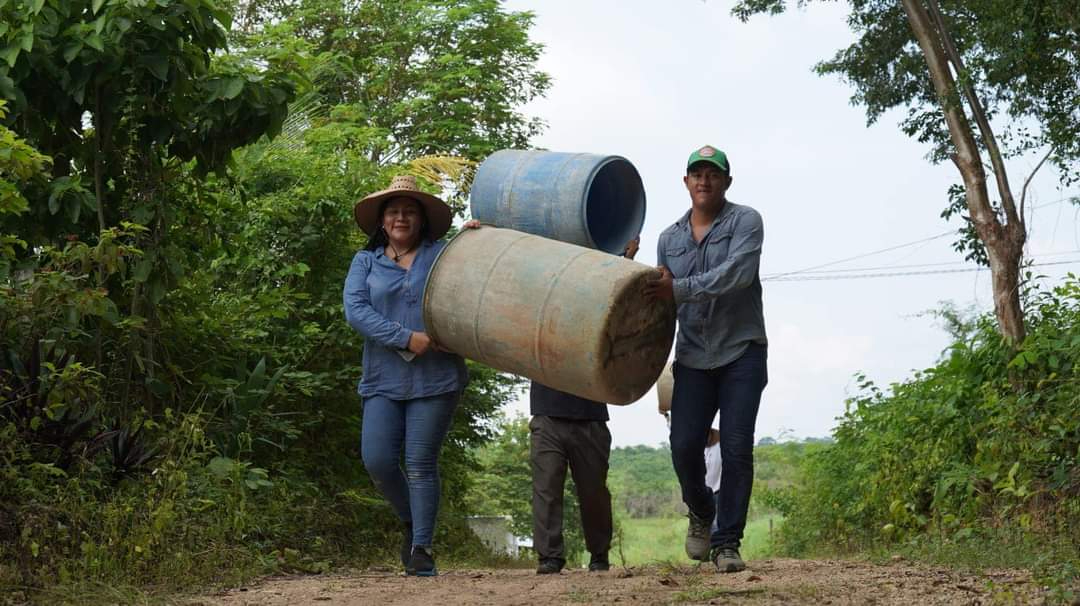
column 569, row 317
column 591, row 200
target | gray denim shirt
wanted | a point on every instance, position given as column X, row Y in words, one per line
column 717, row 288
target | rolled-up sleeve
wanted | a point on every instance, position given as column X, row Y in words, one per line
column 737, row 272
column 362, row 316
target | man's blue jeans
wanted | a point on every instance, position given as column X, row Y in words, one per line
column 419, row 426
column 733, row 391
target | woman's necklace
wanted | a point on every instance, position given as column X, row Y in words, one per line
column 399, row 255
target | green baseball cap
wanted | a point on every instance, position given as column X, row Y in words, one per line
column 711, row 155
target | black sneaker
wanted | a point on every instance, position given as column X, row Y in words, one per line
column 549, row 566
column 599, row 563
column 727, row 559
column 422, row 563
column 406, row 547
column 697, row 537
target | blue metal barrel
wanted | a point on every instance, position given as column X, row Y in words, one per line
column 591, row 200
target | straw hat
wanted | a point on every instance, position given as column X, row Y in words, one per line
column 438, row 212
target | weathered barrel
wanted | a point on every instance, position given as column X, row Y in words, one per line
column 665, row 385
column 591, row 200
column 569, row 317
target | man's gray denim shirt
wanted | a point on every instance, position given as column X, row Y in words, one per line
column 717, row 288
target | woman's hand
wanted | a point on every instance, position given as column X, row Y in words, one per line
column 419, row 343
column 471, row 224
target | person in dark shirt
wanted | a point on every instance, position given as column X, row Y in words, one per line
column 569, row 431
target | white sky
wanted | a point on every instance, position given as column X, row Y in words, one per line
column 652, row 81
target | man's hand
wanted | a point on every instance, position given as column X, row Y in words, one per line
column 661, row 288
column 631, row 247
column 419, row 343
column 471, row 224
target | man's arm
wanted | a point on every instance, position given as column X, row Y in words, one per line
column 736, row 272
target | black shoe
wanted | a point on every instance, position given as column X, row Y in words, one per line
column 406, row 547
column 599, row 563
column 549, row 566
column 727, row 559
column 422, row 563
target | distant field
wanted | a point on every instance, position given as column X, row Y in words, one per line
column 650, row 540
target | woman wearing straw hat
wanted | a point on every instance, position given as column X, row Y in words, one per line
column 409, row 386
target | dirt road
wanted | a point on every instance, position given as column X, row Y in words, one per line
column 777, row 581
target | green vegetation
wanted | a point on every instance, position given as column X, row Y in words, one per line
column 973, row 461
column 177, row 382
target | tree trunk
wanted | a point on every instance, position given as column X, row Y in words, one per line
column 1004, row 243
column 99, row 141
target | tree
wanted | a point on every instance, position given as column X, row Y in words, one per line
column 116, row 91
column 441, row 77
column 956, row 66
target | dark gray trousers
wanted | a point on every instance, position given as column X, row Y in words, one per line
column 584, row 446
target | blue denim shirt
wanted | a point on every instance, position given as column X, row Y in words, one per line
column 383, row 302
column 717, row 288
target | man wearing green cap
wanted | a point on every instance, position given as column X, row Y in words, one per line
column 709, row 264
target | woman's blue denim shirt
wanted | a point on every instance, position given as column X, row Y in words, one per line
column 384, row 302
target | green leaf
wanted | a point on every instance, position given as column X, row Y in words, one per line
column 10, row 54
column 7, row 87
column 222, row 467
column 233, row 87
column 26, row 42
column 97, row 6
column 142, row 269
column 73, row 205
column 37, row 5
column 95, row 42
column 72, row 50
column 158, row 65
column 54, row 201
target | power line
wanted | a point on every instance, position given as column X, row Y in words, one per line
column 922, row 265
column 899, row 273
column 1058, row 201
column 862, row 256
column 779, row 276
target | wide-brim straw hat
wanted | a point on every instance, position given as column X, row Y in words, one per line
column 438, row 213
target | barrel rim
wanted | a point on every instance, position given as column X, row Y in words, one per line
column 609, row 159
column 427, row 281
column 604, row 161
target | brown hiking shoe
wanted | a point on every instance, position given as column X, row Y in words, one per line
column 697, row 537
column 727, row 559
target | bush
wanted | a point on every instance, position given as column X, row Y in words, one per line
column 987, row 439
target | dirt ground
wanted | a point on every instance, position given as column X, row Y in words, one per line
column 776, row 581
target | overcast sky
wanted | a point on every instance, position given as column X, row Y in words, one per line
column 651, row 81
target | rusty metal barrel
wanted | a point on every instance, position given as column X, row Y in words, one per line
column 569, row 317
column 592, row 200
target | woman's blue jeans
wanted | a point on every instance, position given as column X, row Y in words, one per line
column 418, row 427
column 733, row 391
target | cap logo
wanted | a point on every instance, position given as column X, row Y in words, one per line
column 707, row 152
